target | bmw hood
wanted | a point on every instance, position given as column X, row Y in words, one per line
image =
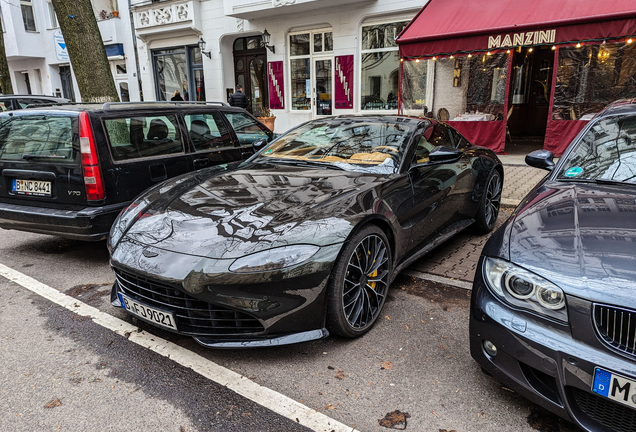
column 582, row 237
column 229, row 213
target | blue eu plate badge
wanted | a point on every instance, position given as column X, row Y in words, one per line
column 601, row 382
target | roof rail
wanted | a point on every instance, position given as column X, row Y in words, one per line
column 109, row 105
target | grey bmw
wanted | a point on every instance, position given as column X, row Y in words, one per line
column 553, row 313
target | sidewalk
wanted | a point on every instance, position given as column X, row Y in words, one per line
column 519, row 179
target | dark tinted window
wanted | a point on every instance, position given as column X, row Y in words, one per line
column 440, row 136
column 40, row 136
column 458, row 140
column 246, row 127
column 143, row 136
column 207, row 131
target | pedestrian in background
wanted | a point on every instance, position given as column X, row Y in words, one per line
column 238, row 99
column 176, row 96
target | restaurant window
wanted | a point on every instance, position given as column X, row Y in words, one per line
column 591, row 77
column 311, row 55
column 460, row 85
column 380, row 62
column 27, row 15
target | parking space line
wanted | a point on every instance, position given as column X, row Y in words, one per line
column 439, row 279
column 241, row 385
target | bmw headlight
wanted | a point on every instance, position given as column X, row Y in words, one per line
column 274, row 259
column 525, row 289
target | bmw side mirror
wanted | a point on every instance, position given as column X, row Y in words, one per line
column 445, row 154
column 542, row 159
column 259, row 144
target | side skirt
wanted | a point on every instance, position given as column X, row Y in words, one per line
column 446, row 234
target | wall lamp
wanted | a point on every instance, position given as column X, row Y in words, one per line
column 266, row 39
column 202, row 48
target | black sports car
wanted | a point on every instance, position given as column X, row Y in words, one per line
column 305, row 236
column 553, row 311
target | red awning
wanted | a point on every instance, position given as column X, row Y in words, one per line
column 453, row 26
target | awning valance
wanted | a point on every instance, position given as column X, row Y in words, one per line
column 455, row 26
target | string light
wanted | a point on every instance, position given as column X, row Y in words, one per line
column 417, row 60
column 629, row 40
column 470, row 55
column 434, row 58
column 488, row 53
column 452, row 56
column 401, row 59
column 530, row 49
column 578, row 45
column 553, row 47
column 508, row 52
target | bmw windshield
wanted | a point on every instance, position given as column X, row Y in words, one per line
column 351, row 144
column 606, row 153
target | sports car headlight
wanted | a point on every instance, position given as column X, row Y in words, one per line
column 126, row 218
column 525, row 289
column 274, row 259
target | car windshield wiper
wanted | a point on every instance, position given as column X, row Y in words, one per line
column 304, row 163
column 32, row 156
column 596, row 181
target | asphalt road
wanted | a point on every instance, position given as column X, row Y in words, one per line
column 415, row 360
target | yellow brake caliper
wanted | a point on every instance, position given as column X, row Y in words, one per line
column 374, row 274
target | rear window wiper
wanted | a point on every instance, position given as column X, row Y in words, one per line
column 32, row 156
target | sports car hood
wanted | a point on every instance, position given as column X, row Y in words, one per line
column 582, row 237
column 228, row 213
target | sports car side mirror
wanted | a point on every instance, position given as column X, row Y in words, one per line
column 541, row 159
column 259, row 144
column 445, row 154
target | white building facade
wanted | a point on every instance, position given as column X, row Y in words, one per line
column 37, row 56
column 324, row 57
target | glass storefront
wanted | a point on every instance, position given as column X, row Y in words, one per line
column 462, row 85
column 311, row 69
column 591, row 77
column 179, row 69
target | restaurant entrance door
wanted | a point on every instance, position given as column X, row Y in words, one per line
column 530, row 91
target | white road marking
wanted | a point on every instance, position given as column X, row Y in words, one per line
column 439, row 279
column 264, row 396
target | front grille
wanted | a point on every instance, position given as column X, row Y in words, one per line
column 193, row 317
column 617, row 327
column 612, row 415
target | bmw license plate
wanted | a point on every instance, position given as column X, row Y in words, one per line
column 155, row 316
column 32, row 187
column 614, row 387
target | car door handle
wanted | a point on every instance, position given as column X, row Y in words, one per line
column 158, row 172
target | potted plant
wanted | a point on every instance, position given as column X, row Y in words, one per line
column 113, row 10
column 267, row 118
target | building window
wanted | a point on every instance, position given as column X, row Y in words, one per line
column 380, row 65
column 52, row 16
column 27, row 15
column 310, row 68
column 120, row 68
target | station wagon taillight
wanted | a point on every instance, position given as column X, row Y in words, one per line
column 90, row 164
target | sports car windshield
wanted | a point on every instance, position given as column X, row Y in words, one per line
column 607, row 152
column 352, row 145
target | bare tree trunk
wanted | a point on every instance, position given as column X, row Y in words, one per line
column 5, row 75
column 86, row 50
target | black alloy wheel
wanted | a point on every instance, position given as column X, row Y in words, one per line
column 489, row 207
column 360, row 283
